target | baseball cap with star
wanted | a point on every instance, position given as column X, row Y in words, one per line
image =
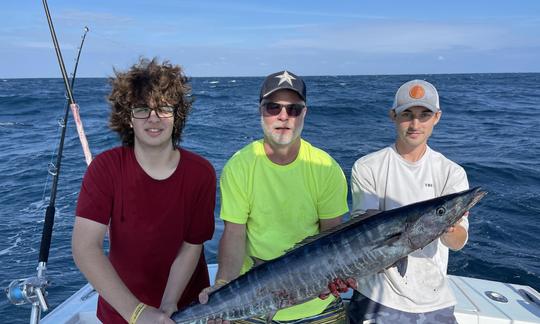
column 283, row 80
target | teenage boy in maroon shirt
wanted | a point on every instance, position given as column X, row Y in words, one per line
column 155, row 199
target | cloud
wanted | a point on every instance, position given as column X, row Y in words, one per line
column 19, row 43
column 406, row 38
column 307, row 13
column 36, row 45
column 272, row 27
column 96, row 18
column 257, row 9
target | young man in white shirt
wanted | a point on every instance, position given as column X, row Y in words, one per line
column 404, row 173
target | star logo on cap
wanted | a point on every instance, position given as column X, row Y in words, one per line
column 285, row 77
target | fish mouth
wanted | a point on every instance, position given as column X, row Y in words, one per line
column 478, row 194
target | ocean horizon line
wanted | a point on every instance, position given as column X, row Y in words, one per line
column 306, row 75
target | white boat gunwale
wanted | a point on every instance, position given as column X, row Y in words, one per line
column 473, row 303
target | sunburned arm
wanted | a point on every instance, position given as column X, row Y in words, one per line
column 87, row 247
column 232, row 249
column 455, row 237
column 179, row 275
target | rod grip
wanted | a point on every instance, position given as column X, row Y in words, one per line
column 47, row 234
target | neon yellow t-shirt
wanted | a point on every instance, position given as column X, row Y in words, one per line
column 282, row 204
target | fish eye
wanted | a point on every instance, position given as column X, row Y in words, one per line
column 440, row 211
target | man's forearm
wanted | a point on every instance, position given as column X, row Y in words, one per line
column 99, row 271
column 180, row 273
column 232, row 250
column 230, row 264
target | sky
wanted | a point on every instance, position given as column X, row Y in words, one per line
column 256, row 38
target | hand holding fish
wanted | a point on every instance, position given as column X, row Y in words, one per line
column 168, row 309
column 338, row 286
column 455, row 236
column 203, row 298
column 152, row 315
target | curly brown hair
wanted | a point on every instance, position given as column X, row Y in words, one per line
column 149, row 83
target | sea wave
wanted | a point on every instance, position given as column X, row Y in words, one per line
column 493, row 135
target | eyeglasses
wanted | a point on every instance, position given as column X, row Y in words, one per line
column 144, row 112
column 274, row 109
column 409, row 116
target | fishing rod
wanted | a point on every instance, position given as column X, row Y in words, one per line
column 33, row 290
column 54, row 169
column 74, row 107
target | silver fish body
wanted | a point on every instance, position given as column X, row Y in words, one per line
column 357, row 248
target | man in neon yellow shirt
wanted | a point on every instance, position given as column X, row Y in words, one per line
column 277, row 191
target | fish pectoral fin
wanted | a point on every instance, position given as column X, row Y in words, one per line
column 401, row 265
column 270, row 317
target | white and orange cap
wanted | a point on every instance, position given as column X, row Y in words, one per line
column 416, row 93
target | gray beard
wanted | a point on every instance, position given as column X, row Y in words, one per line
column 280, row 140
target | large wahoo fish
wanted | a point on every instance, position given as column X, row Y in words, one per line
column 354, row 249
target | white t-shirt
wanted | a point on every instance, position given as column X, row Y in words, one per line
column 383, row 180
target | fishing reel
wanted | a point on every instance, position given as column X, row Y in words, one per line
column 30, row 290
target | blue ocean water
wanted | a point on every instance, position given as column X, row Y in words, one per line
column 490, row 126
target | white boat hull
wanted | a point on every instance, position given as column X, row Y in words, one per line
column 522, row 305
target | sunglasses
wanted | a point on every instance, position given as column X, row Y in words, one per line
column 274, row 109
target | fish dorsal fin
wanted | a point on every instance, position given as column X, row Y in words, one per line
column 353, row 220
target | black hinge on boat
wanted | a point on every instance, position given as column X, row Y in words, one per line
column 88, row 295
column 529, row 297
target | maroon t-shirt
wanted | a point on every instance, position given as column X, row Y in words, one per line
column 149, row 220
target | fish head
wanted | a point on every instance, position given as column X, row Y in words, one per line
column 428, row 220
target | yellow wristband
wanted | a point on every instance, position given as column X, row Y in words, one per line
column 221, row 282
column 136, row 313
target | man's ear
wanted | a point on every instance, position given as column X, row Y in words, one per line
column 438, row 115
column 392, row 114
